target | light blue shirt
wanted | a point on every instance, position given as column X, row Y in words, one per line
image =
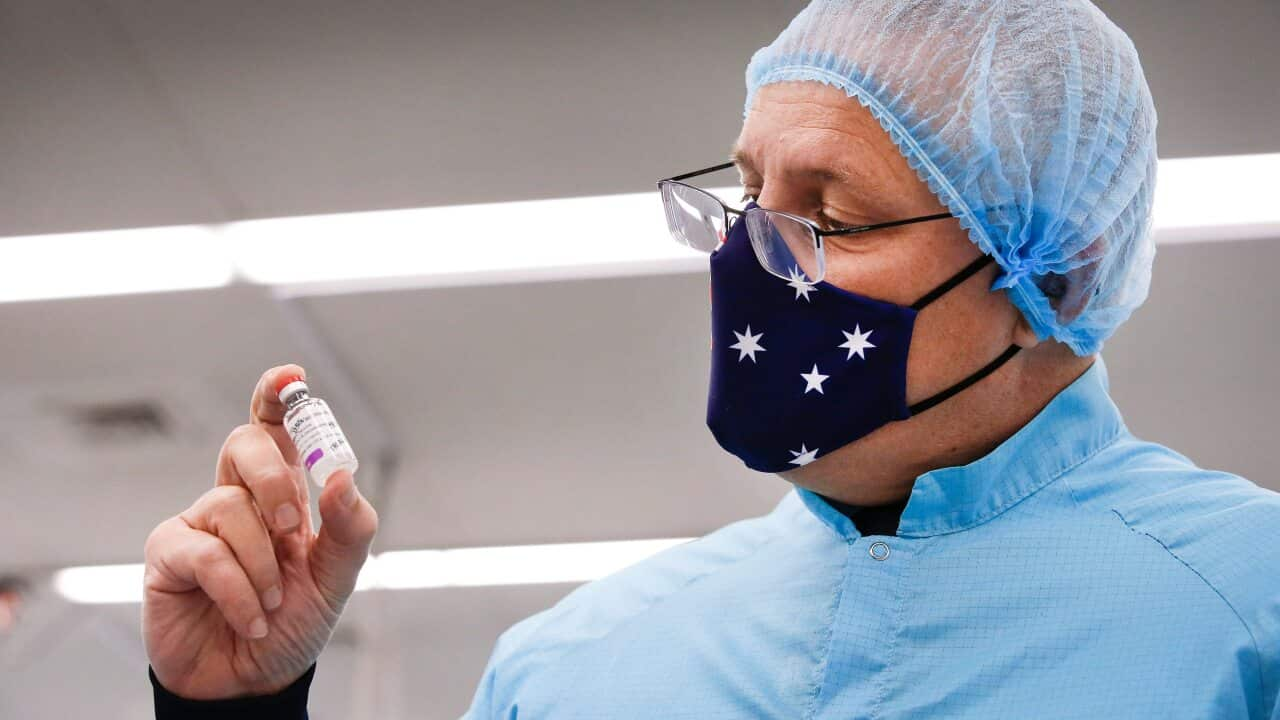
column 1073, row 572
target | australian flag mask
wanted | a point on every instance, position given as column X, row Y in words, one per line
column 798, row 369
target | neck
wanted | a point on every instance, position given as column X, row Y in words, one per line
column 882, row 467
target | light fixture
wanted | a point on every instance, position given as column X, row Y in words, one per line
column 413, row 569
column 514, row 565
column 560, row 238
column 1227, row 197
column 112, row 262
column 98, row 584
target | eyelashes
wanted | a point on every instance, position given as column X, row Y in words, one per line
column 822, row 220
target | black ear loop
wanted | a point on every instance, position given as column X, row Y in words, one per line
column 968, row 271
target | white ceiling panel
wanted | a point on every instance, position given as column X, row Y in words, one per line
column 122, row 113
column 87, row 142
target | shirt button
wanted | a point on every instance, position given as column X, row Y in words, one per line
column 878, row 550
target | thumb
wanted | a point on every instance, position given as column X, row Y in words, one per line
column 348, row 524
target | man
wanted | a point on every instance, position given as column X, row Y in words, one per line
column 950, row 213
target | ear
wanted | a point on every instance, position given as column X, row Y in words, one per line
column 1023, row 336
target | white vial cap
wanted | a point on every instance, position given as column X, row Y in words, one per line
column 288, row 386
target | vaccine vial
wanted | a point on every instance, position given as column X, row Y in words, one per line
column 321, row 445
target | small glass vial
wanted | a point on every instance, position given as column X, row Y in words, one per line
column 322, row 447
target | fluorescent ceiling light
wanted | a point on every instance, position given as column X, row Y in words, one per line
column 1197, row 200
column 97, row 584
column 112, row 262
column 413, row 569
column 1228, row 197
column 583, row 236
column 517, row 565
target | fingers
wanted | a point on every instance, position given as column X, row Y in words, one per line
column 229, row 513
column 265, row 407
column 348, row 525
column 181, row 558
column 251, row 458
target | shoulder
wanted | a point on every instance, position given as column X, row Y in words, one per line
column 1218, row 525
column 1224, row 526
column 595, row 609
column 1160, row 492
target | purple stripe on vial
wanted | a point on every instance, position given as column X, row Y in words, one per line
column 313, row 457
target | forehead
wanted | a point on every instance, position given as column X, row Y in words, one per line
column 817, row 131
column 810, row 114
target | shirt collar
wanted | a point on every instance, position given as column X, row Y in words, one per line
column 1076, row 423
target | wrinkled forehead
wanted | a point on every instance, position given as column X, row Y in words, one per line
column 806, row 131
column 813, row 114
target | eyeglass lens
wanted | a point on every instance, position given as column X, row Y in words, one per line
column 694, row 217
column 784, row 246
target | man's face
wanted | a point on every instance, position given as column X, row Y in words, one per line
column 811, row 150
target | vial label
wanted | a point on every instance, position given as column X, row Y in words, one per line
column 313, row 457
column 319, row 440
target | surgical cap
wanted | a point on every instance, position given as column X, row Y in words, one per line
column 1030, row 120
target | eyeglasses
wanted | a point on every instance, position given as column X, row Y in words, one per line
column 788, row 246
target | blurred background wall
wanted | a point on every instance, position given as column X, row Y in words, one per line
column 489, row 412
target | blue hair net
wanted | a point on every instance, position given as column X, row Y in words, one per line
column 1029, row 119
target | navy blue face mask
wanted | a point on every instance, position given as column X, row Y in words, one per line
column 798, row 371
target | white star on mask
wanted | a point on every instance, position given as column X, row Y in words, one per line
column 747, row 344
column 804, row 456
column 800, row 283
column 813, row 380
column 857, row 342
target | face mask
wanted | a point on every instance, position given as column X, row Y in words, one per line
column 799, row 370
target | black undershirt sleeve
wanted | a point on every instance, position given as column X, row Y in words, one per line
column 288, row 704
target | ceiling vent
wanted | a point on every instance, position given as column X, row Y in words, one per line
column 123, row 427
column 129, row 422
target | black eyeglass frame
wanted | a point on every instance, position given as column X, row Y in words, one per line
column 815, row 232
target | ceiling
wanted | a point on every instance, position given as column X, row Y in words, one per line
column 485, row 414
column 124, row 113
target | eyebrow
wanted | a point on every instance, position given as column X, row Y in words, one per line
column 830, row 174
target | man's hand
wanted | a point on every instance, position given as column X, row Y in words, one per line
column 241, row 594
